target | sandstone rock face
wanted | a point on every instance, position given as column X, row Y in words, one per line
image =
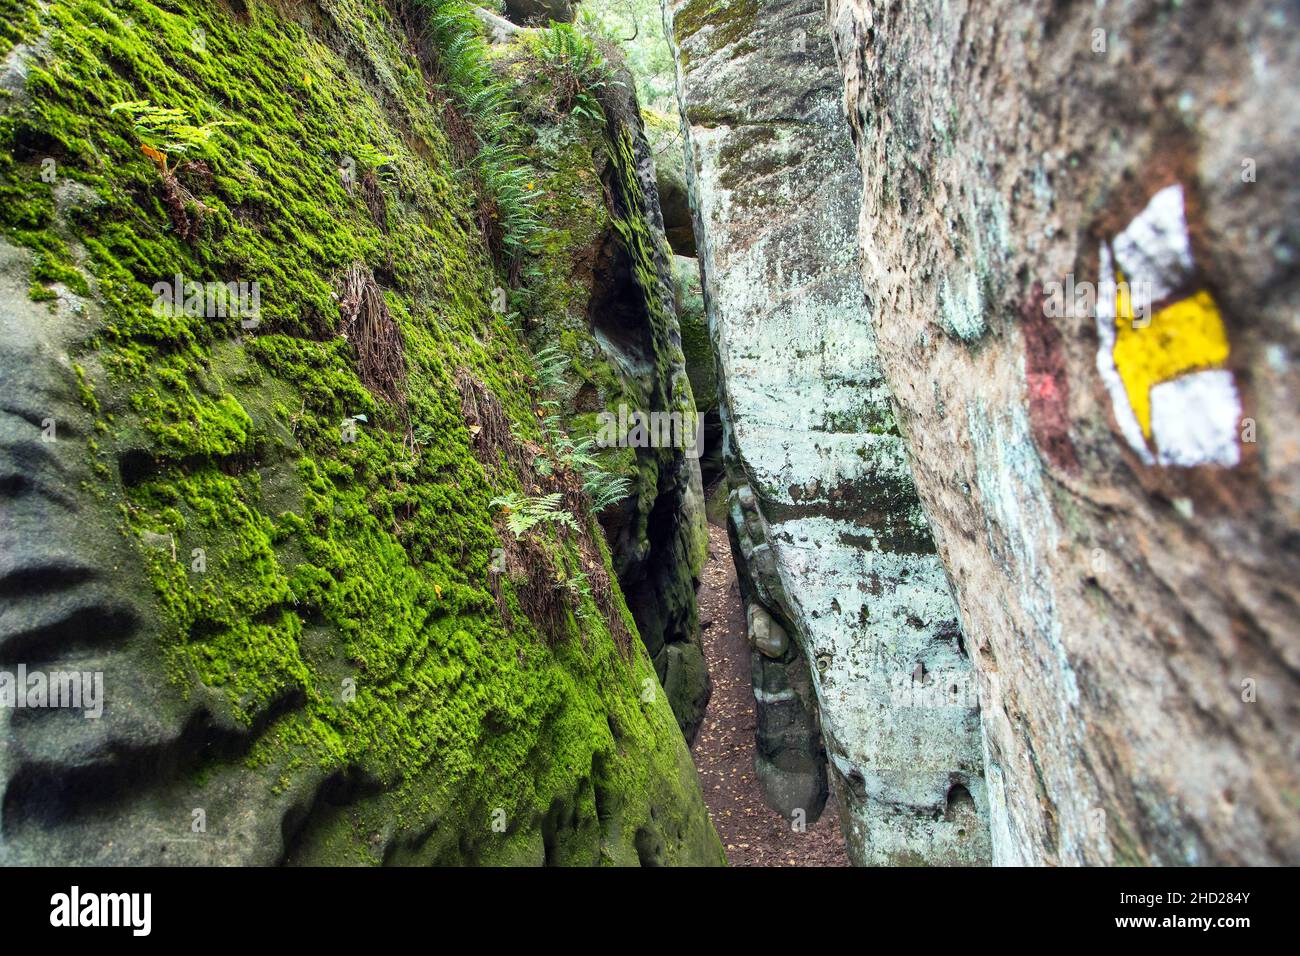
column 677, row 207
column 1110, row 474
column 701, row 364
column 605, row 297
column 316, row 639
column 830, row 539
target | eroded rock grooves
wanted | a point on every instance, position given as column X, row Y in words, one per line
column 848, row 607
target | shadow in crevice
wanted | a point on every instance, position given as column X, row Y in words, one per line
column 616, row 311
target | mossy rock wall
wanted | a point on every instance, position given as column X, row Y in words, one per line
column 602, row 291
column 283, row 579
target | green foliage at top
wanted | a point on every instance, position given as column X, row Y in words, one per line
column 636, row 27
column 464, row 65
column 575, row 67
column 564, row 50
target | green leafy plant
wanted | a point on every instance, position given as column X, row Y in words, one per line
column 164, row 131
column 484, row 99
column 575, row 67
column 577, row 455
column 605, row 488
column 382, row 164
column 549, row 366
column 424, row 435
column 523, row 513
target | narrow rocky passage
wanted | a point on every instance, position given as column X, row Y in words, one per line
column 752, row 833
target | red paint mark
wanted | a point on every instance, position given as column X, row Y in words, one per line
column 1043, row 387
column 1049, row 388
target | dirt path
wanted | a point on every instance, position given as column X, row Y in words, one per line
column 753, row 834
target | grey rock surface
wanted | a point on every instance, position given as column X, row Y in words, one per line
column 830, row 537
column 1116, row 497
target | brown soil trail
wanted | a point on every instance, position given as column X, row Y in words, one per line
column 752, row 833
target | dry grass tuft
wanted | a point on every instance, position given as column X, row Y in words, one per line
column 183, row 207
column 374, row 334
column 489, row 426
column 546, row 592
column 372, row 194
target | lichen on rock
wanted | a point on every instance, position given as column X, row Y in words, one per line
column 1039, row 287
column 830, row 539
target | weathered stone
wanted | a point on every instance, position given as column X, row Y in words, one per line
column 830, row 537
column 767, row 636
column 498, row 28
column 608, row 302
column 306, row 654
column 674, row 197
column 1120, row 539
column 789, row 759
column 701, row 363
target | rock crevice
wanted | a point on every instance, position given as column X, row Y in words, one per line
column 833, row 547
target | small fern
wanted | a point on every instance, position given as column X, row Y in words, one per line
column 165, row 130
column 575, row 67
column 523, row 513
column 549, row 366
column 466, row 75
column 383, row 165
column 605, row 488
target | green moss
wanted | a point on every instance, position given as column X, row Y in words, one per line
column 697, row 345
column 16, row 19
column 728, row 21
column 325, row 563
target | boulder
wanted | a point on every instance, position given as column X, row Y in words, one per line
column 765, row 634
column 605, row 297
column 532, row 13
